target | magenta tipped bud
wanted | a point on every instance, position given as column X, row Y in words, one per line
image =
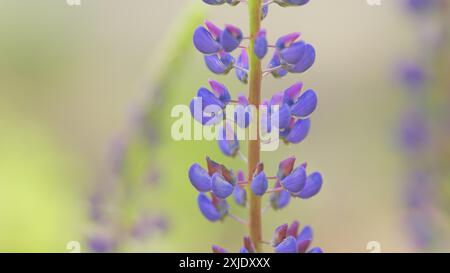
column 285, row 168
column 280, row 235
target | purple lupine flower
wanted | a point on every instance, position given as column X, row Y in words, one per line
column 220, row 187
column 312, row 186
column 220, row 63
column 242, row 63
column 259, row 184
column 279, row 199
column 265, row 11
column 288, row 245
column 227, row 140
column 274, row 63
column 298, row 131
column 242, row 113
column 289, row 240
column 295, row 182
column 205, row 42
column 286, row 167
column 280, row 234
column 221, row 91
column 306, row 104
column 230, row 38
column 293, row 54
column 240, row 194
column 261, row 45
column 207, row 107
column 305, row 63
column 200, row 178
column 213, row 209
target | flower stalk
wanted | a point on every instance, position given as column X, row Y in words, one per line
column 255, row 83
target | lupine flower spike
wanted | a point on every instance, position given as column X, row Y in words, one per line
column 287, row 114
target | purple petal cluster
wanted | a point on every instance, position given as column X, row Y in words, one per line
column 288, row 239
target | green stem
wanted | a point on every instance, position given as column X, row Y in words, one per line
column 254, row 9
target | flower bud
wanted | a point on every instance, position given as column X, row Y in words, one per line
column 220, row 187
column 219, row 65
column 200, row 178
column 205, row 42
column 306, row 62
column 293, row 54
column 299, row 131
column 212, row 211
column 261, row 45
column 293, row 229
column 231, row 38
column 240, row 194
column 295, row 182
column 259, row 184
column 306, row 104
column 221, row 91
column 287, row 40
column 304, row 239
column 291, row 94
column 280, row 235
column 285, row 167
column 276, row 62
column 248, row 245
column 242, row 62
column 287, row 246
column 312, row 187
column 227, row 141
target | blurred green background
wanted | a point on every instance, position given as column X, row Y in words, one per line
column 70, row 77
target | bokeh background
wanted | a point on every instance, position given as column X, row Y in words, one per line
column 73, row 80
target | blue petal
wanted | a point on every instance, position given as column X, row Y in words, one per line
column 280, row 200
column 306, row 62
column 291, row 93
column 312, row 187
column 295, row 182
column 306, row 104
column 261, row 45
column 204, row 41
column 231, row 38
column 227, row 141
column 240, row 196
column 200, row 178
column 289, row 245
column 276, row 62
column 299, row 131
column 221, row 91
column 294, row 53
column 242, row 62
column 259, row 184
column 215, row 64
column 207, row 208
column 220, row 187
